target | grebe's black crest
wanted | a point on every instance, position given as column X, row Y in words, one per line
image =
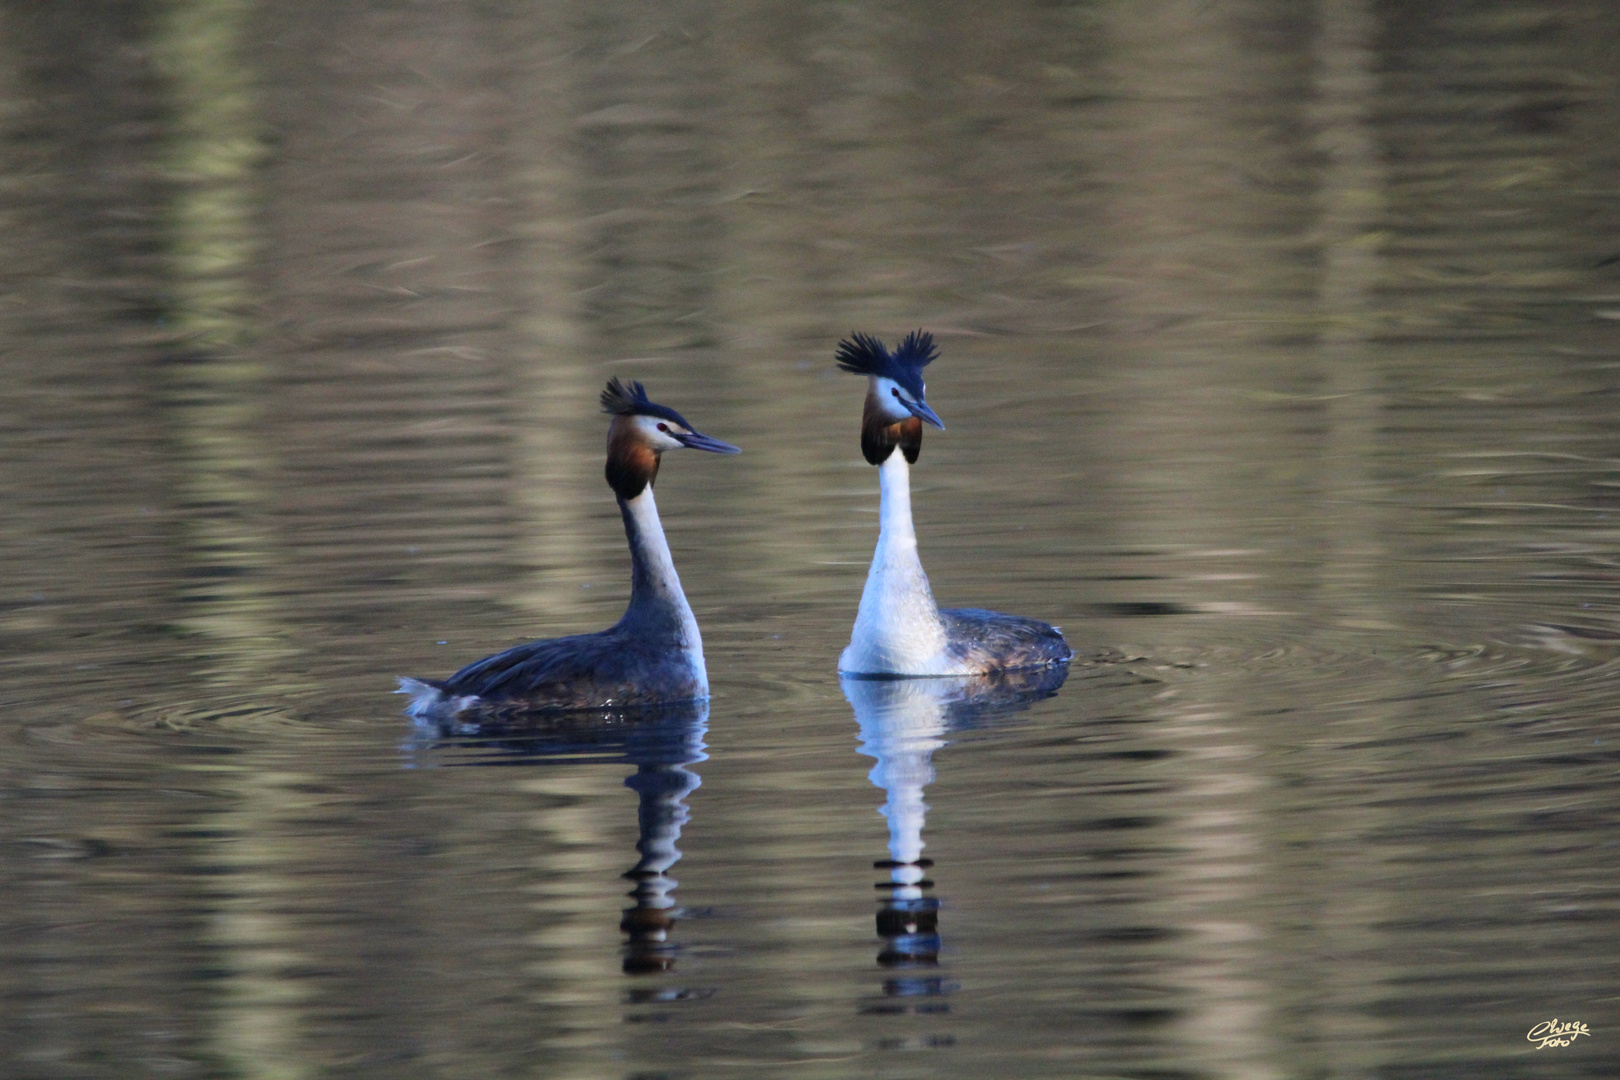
column 865, row 355
column 630, row 399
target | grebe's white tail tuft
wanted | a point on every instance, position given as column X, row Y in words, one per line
column 428, row 702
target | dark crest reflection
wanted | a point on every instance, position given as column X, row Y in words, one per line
column 903, row 721
column 660, row 741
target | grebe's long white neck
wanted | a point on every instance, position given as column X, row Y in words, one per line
column 658, row 609
column 897, row 629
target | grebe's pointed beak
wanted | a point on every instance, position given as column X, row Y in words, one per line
column 697, row 441
column 921, row 411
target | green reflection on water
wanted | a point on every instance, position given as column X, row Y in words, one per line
column 216, row 393
column 216, row 148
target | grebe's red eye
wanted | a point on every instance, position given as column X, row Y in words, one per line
column 663, row 427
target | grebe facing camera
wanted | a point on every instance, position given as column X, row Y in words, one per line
column 899, row 630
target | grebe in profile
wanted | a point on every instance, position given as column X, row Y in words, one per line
column 654, row 653
column 899, row 630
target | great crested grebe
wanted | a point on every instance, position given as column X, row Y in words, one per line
column 899, row 630
column 654, row 653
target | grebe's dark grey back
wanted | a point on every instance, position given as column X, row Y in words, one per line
column 654, row 654
column 899, row 630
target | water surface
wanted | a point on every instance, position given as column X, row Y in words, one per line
column 1279, row 357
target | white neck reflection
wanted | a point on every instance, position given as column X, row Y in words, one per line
column 902, row 722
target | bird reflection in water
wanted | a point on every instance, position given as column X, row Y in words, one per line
column 660, row 741
column 902, row 723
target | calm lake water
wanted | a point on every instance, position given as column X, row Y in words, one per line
column 1280, row 354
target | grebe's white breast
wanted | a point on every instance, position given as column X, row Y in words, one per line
column 897, row 628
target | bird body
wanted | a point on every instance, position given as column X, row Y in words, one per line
column 899, row 630
column 654, row 653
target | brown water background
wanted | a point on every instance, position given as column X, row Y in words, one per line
column 1280, row 357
